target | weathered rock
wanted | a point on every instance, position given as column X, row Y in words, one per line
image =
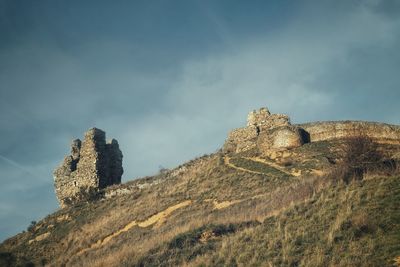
column 76, row 148
column 331, row 130
column 93, row 164
column 285, row 137
column 256, row 118
column 269, row 133
column 114, row 162
column 241, row 139
column 264, row 131
column 279, row 138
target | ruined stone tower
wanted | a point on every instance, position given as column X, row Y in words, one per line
column 93, row 164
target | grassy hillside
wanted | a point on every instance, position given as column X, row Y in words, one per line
column 344, row 225
column 226, row 210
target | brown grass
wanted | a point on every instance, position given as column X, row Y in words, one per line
column 158, row 218
column 397, row 261
column 126, row 228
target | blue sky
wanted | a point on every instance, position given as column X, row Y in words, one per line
column 169, row 79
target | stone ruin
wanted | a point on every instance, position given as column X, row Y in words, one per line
column 268, row 132
column 265, row 131
column 92, row 165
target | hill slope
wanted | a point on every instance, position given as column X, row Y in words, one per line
column 240, row 209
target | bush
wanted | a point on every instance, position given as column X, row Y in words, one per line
column 360, row 155
column 31, row 226
column 85, row 194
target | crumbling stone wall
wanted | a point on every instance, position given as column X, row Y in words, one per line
column 281, row 137
column 273, row 132
column 93, row 164
column 264, row 131
column 241, row 139
column 264, row 120
column 330, row 130
column 258, row 117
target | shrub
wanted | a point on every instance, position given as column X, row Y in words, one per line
column 360, row 155
column 362, row 224
column 85, row 194
column 162, row 170
column 31, row 226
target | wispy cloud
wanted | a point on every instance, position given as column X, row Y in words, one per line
column 19, row 167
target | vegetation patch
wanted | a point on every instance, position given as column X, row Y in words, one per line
column 259, row 167
column 306, row 220
column 187, row 246
column 347, row 225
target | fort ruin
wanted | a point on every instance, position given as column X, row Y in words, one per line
column 97, row 164
column 274, row 132
column 92, row 164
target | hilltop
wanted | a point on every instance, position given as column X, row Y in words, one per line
column 276, row 194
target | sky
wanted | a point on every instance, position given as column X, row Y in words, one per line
column 170, row 79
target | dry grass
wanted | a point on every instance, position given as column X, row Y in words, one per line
column 397, row 261
column 295, row 220
column 250, row 209
column 225, row 204
column 359, row 236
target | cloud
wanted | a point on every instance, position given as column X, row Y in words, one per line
column 26, row 195
column 173, row 94
column 289, row 74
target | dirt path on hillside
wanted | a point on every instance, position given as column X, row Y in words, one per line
column 227, row 161
column 156, row 219
column 274, row 165
column 225, row 204
column 159, row 218
column 263, row 161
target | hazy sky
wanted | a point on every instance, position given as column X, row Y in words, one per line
column 169, row 79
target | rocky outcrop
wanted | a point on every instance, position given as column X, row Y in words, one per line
column 93, row 164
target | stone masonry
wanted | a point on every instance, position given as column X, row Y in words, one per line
column 93, row 164
column 268, row 132
column 265, row 131
column 330, row 130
